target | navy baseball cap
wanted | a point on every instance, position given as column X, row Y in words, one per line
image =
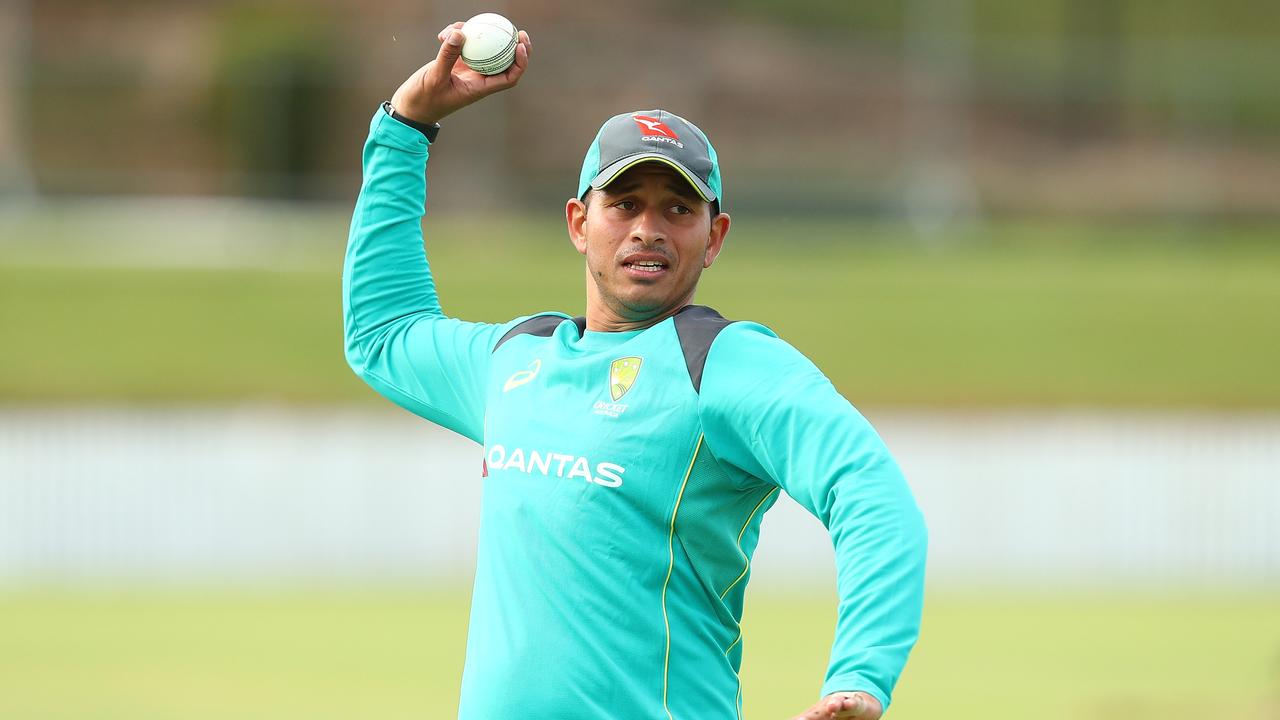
column 631, row 138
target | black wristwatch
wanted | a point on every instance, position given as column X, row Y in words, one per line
column 429, row 130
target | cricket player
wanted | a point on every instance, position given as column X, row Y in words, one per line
column 629, row 454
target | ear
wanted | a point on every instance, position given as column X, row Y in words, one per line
column 715, row 242
column 575, row 216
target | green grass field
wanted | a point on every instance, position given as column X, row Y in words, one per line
column 1012, row 314
column 322, row 655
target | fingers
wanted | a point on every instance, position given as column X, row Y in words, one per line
column 450, row 50
column 854, row 706
column 847, row 706
column 512, row 74
column 451, row 26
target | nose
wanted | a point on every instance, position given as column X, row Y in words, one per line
column 650, row 227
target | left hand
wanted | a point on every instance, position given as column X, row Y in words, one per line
column 851, row 705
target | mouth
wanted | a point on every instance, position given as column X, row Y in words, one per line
column 645, row 265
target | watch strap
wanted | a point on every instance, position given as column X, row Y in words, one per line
column 429, row 130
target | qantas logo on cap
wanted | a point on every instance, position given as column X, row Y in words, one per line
column 654, row 126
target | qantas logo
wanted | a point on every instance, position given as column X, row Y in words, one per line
column 522, row 377
column 654, row 126
column 554, row 464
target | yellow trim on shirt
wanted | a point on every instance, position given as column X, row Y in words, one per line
column 671, row 551
column 741, row 532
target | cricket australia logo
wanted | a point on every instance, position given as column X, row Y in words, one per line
column 622, row 376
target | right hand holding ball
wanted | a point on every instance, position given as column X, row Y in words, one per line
column 442, row 86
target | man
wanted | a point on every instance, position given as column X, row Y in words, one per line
column 631, row 453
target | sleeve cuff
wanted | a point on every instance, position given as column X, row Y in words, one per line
column 388, row 131
column 430, row 130
column 855, row 683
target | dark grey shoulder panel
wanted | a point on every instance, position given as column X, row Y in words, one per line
column 697, row 326
column 540, row 325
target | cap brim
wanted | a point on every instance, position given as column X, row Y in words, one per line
column 613, row 170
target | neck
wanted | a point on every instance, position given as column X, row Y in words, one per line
column 602, row 318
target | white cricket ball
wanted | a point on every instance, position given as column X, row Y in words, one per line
column 491, row 43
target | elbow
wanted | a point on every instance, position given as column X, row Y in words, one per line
column 918, row 528
column 363, row 343
column 355, row 360
column 913, row 548
column 912, row 530
column 920, row 534
column 358, row 348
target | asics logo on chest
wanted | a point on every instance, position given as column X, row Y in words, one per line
column 522, row 377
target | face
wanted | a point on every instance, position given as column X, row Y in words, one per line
column 647, row 238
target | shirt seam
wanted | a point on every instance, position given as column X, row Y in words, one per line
column 671, row 535
column 742, row 532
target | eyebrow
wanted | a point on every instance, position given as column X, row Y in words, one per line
column 680, row 190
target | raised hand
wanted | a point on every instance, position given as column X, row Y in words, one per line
column 445, row 85
column 844, row 705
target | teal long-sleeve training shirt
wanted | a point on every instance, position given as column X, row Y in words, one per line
column 623, row 501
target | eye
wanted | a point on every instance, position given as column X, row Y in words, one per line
column 681, row 210
column 625, row 205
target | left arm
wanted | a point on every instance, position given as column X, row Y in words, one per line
column 770, row 412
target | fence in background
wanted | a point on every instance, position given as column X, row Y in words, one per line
column 253, row 496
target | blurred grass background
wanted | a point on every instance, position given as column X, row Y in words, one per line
column 960, row 205
column 334, row 654
column 1019, row 314
column 1004, row 314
